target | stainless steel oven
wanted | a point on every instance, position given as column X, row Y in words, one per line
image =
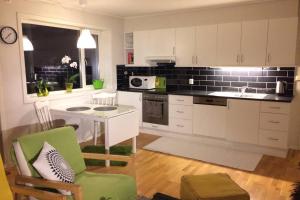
column 155, row 109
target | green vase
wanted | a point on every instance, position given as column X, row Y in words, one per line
column 98, row 84
column 69, row 87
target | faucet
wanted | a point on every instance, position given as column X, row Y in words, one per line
column 243, row 90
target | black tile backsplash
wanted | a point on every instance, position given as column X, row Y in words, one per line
column 260, row 80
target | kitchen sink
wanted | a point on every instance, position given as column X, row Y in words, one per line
column 238, row 94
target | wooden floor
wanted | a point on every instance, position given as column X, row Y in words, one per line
column 157, row 172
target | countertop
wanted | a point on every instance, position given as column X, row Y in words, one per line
column 267, row 97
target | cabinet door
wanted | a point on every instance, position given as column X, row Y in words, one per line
column 185, row 47
column 282, row 38
column 209, row 120
column 132, row 99
column 206, row 45
column 161, row 43
column 243, row 121
column 228, row 44
column 140, row 42
column 254, row 43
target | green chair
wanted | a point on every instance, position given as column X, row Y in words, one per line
column 87, row 185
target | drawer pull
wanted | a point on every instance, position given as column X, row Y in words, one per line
column 153, row 126
column 274, row 122
column 181, row 100
column 178, row 125
column 180, row 111
column 275, row 107
column 273, row 139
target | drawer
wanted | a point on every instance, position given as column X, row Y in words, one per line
column 275, row 107
column 273, row 139
column 181, row 100
column 181, row 125
column 274, row 122
column 155, row 126
column 181, row 111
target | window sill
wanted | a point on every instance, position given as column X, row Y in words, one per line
column 55, row 95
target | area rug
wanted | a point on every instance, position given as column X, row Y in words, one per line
column 224, row 156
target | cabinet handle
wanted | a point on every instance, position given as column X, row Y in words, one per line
column 273, row 139
column 238, row 59
column 153, row 126
column 274, row 107
column 178, row 125
column 178, row 111
column 274, row 122
column 196, row 60
column 228, row 105
column 269, row 58
column 180, row 100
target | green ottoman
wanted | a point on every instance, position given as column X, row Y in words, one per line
column 211, row 187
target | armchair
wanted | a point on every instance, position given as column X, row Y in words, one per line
column 87, row 185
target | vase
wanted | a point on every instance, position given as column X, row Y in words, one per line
column 45, row 92
column 69, row 87
column 40, row 93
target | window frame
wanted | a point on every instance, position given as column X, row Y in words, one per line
column 60, row 94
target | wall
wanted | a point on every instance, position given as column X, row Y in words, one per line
column 16, row 116
column 264, row 10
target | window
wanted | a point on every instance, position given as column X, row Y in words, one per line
column 43, row 62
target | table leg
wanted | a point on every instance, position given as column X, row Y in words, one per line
column 134, row 145
column 107, row 162
column 95, row 132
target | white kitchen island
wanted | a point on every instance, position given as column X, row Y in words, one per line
column 120, row 124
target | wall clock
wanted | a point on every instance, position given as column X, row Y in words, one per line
column 8, row 35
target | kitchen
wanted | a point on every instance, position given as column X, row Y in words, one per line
column 216, row 86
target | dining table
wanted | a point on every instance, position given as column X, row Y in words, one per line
column 121, row 122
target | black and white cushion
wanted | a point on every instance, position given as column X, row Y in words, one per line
column 52, row 166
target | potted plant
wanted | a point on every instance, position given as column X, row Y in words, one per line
column 70, row 79
column 42, row 88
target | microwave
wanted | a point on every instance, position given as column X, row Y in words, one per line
column 142, row 82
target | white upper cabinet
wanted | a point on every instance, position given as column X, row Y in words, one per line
column 243, row 121
column 229, row 44
column 254, row 43
column 161, row 42
column 206, row 45
column 185, row 47
column 282, row 39
column 140, row 44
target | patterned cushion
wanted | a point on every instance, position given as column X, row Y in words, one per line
column 52, row 166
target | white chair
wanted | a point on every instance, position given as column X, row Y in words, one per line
column 103, row 98
column 42, row 109
column 43, row 114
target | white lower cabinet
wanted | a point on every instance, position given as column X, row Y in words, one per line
column 243, row 121
column 209, row 120
column 133, row 99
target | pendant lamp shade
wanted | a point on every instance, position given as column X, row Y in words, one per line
column 86, row 40
column 27, row 45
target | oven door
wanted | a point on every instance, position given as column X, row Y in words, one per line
column 155, row 111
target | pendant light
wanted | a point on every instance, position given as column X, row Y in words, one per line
column 27, row 45
column 86, row 40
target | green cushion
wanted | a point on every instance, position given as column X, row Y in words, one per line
column 114, row 186
column 211, row 187
column 62, row 139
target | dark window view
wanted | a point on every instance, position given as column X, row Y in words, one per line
column 91, row 63
column 44, row 60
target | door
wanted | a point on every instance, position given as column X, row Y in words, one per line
column 132, row 99
column 185, row 47
column 161, row 43
column 140, row 43
column 242, row 121
column 229, row 44
column 254, row 43
column 209, row 120
column 282, row 38
column 206, row 45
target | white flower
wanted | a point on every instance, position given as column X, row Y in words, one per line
column 73, row 65
column 65, row 60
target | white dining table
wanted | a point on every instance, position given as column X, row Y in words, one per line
column 120, row 124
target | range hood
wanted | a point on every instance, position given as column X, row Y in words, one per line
column 156, row 60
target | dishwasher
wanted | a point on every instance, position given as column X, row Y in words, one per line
column 209, row 116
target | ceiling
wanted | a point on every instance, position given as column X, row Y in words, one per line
column 130, row 8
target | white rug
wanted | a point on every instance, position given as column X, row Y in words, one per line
column 207, row 153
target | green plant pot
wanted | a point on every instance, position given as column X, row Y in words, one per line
column 69, row 87
column 98, row 84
